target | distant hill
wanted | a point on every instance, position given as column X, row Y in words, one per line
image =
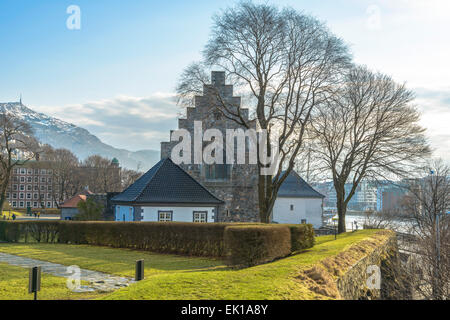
column 61, row 134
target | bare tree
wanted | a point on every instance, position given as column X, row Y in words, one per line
column 17, row 146
column 283, row 62
column 367, row 129
column 101, row 175
column 429, row 204
column 128, row 177
column 64, row 165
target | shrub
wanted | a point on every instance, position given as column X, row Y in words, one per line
column 255, row 244
column 302, row 236
column 164, row 237
column 89, row 210
column 40, row 231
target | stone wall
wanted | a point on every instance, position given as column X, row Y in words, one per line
column 352, row 284
column 240, row 190
column 345, row 275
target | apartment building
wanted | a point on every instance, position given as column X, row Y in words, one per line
column 31, row 186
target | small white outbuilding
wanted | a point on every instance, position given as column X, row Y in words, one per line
column 297, row 202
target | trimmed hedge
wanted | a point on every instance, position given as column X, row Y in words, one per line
column 256, row 244
column 243, row 244
column 173, row 237
column 39, row 231
column 302, row 236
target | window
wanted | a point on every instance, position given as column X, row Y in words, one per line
column 22, row 170
column 14, row 204
column 15, row 171
column 49, row 204
column 28, row 195
column 28, row 204
column 29, row 179
column 7, row 195
column 14, row 186
column 35, row 204
column 16, row 179
column 21, row 204
column 36, row 171
column 30, row 171
column 43, row 171
column 29, row 187
column 43, row 179
column 22, row 179
column 292, row 207
column 36, row 196
column 14, row 195
column 22, row 196
column 36, row 179
column 164, row 216
column 200, row 216
column 22, row 187
column 36, row 188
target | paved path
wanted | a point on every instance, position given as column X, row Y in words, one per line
column 98, row 281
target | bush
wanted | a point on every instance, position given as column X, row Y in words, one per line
column 89, row 210
column 255, row 244
column 164, row 237
column 39, row 231
column 242, row 244
column 302, row 236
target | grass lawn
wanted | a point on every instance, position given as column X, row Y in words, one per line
column 178, row 277
column 14, row 286
column 6, row 213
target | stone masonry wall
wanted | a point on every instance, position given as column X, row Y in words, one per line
column 352, row 284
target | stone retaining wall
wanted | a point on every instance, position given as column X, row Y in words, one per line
column 352, row 285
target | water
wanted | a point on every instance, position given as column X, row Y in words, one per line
column 399, row 225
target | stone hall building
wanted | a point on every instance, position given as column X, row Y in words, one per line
column 190, row 192
column 235, row 184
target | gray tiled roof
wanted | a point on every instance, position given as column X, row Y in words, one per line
column 294, row 186
column 166, row 182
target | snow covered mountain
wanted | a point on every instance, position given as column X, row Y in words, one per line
column 61, row 134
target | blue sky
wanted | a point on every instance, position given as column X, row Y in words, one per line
column 116, row 75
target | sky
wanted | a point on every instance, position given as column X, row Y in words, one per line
column 116, row 74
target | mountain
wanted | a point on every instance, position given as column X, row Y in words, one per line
column 61, row 134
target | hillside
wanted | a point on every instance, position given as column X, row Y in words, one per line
column 61, row 134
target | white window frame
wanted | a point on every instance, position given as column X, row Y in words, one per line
column 200, row 216
column 165, row 215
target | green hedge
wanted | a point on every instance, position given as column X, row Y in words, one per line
column 256, row 244
column 302, row 236
column 247, row 244
column 173, row 237
column 38, row 231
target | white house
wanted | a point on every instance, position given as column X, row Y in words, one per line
column 166, row 193
column 298, row 202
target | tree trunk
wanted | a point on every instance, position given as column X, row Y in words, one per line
column 341, row 208
column 264, row 195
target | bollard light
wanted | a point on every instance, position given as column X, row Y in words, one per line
column 139, row 270
column 34, row 284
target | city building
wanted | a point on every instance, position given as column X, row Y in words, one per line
column 31, row 186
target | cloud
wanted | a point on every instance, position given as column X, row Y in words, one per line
column 132, row 123
column 435, row 108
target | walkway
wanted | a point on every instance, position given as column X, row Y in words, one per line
column 98, row 281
